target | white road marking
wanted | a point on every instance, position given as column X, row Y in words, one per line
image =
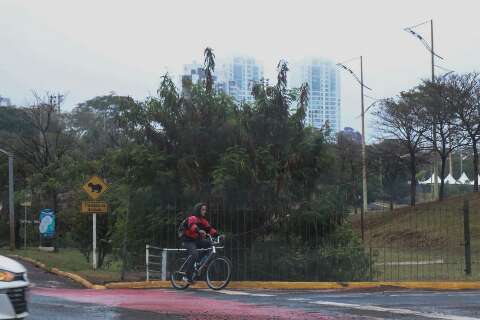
column 433, row 315
column 299, row 299
column 242, row 293
column 409, row 263
column 456, row 294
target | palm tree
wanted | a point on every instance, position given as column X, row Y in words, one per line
column 209, row 67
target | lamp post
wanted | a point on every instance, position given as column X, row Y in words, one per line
column 10, row 199
column 364, row 160
column 433, row 55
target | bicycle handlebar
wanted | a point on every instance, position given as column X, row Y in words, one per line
column 215, row 240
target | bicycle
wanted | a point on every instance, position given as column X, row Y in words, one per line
column 217, row 269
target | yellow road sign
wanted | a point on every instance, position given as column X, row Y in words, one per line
column 94, row 207
column 95, row 187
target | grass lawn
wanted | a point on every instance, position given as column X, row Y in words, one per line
column 72, row 260
column 423, row 243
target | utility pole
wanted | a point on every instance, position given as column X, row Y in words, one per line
column 364, row 161
column 435, row 163
column 430, row 48
column 11, row 205
column 11, row 201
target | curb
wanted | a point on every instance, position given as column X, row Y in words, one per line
column 280, row 285
column 75, row 277
column 273, row 285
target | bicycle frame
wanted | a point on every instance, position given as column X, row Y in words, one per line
column 211, row 277
column 213, row 251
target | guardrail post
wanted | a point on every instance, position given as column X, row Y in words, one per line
column 164, row 264
column 466, row 233
column 147, row 253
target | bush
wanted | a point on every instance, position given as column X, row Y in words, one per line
column 341, row 258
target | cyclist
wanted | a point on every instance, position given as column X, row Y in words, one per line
column 194, row 237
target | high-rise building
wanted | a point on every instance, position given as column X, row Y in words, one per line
column 323, row 79
column 237, row 74
column 352, row 134
column 5, row 102
column 193, row 72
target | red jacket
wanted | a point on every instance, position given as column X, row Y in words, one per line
column 194, row 224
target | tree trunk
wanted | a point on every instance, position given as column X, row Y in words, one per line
column 391, row 202
column 124, row 244
column 442, row 175
column 413, row 181
column 475, row 165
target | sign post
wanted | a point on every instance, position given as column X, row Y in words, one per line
column 94, row 258
column 94, row 187
column 25, row 204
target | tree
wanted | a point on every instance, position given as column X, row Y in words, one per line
column 401, row 119
column 438, row 113
column 42, row 140
column 209, row 65
column 350, row 166
column 463, row 98
column 387, row 159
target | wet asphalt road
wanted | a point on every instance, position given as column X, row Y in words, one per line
column 47, row 307
column 53, row 297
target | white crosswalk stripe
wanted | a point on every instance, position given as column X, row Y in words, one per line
column 401, row 311
column 299, row 299
column 242, row 293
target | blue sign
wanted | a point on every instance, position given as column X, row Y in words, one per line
column 47, row 223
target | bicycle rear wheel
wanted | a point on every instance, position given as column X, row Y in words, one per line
column 219, row 272
column 178, row 273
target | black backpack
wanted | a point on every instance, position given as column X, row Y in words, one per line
column 182, row 227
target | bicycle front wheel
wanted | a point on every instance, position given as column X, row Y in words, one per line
column 178, row 273
column 219, row 272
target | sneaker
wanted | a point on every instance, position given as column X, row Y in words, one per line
column 189, row 281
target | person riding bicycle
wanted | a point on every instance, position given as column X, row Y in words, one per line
column 194, row 237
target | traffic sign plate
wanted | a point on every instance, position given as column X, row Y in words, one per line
column 95, row 187
column 94, row 207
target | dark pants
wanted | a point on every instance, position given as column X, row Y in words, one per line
column 192, row 246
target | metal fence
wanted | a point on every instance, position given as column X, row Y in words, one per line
column 429, row 242
column 272, row 244
column 433, row 241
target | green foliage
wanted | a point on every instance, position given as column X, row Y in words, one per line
column 173, row 149
column 341, row 258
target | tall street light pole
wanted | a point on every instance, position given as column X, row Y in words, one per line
column 364, row 156
column 10, row 198
column 435, row 164
column 433, row 55
column 364, row 160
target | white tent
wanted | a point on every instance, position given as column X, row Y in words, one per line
column 463, row 179
column 429, row 180
column 425, row 181
column 473, row 182
column 450, row 179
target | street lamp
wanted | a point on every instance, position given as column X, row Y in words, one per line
column 364, row 161
column 10, row 198
column 448, row 71
column 430, row 48
column 371, row 105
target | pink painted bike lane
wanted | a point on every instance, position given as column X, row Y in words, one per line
column 186, row 304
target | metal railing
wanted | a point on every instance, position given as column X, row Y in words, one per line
column 151, row 265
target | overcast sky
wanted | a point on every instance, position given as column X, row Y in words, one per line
column 89, row 48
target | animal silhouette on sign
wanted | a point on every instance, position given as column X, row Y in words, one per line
column 95, row 188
